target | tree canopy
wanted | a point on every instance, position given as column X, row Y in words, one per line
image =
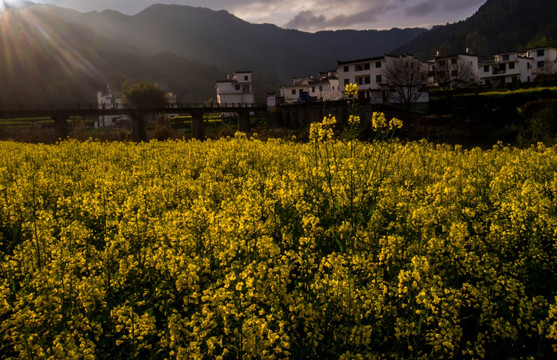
column 144, row 95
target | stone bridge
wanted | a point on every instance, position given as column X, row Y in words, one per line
column 288, row 116
column 60, row 115
column 302, row 115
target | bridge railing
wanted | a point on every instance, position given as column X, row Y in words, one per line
column 94, row 106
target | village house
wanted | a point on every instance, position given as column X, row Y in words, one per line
column 370, row 76
column 325, row 88
column 236, row 90
column 109, row 100
column 291, row 93
column 507, row 68
column 454, row 71
column 545, row 61
column 367, row 73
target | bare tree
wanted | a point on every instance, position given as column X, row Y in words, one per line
column 406, row 80
column 549, row 67
column 453, row 74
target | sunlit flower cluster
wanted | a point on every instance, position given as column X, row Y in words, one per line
column 322, row 130
column 379, row 122
column 351, row 90
column 244, row 249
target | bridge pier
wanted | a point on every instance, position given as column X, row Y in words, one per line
column 138, row 127
column 61, row 125
column 197, row 126
column 243, row 121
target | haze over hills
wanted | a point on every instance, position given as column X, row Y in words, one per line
column 498, row 26
column 74, row 54
column 50, row 54
column 220, row 38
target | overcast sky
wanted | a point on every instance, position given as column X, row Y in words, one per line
column 310, row 15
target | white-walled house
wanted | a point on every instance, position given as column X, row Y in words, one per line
column 370, row 76
column 237, row 90
column 326, row 88
column 109, row 100
column 290, row 93
column 455, row 71
column 545, row 60
column 507, row 68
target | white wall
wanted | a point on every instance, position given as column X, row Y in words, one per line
column 364, row 73
column 546, row 55
column 239, row 90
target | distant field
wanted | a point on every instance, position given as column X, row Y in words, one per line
column 528, row 91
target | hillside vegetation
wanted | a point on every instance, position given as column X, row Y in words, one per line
column 498, row 26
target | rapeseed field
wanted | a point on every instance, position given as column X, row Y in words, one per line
column 245, row 249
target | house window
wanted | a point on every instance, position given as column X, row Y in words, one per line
column 506, row 57
column 313, row 89
column 346, row 81
column 301, row 91
column 320, row 87
column 511, row 66
column 454, row 61
column 378, row 79
column 486, row 68
column 346, row 69
column 367, row 80
column 293, row 91
column 541, row 64
column 540, row 53
column 528, row 66
column 366, row 66
column 246, row 78
column 237, row 87
column 441, row 63
column 378, row 64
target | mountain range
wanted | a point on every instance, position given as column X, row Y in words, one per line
column 51, row 54
column 498, row 26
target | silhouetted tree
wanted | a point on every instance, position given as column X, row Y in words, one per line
column 146, row 98
column 144, row 95
column 406, row 79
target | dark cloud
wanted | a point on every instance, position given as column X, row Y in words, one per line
column 427, row 7
column 307, row 20
column 423, row 8
column 455, row 6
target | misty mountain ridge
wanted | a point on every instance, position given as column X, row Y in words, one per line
column 222, row 39
column 54, row 54
column 199, row 47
